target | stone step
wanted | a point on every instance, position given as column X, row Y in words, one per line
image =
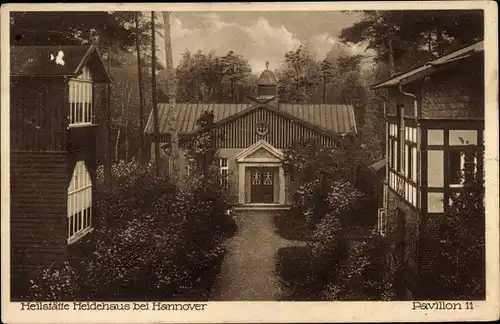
column 261, row 207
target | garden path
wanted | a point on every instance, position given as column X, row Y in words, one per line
column 248, row 269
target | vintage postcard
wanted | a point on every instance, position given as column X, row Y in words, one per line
column 250, row 162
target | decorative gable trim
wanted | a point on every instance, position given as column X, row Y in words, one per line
column 93, row 53
column 245, row 155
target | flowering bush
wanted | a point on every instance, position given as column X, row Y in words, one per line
column 340, row 200
column 134, row 190
column 313, row 169
column 327, row 192
column 56, row 283
column 364, row 273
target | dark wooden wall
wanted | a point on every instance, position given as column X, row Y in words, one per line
column 38, row 223
column 38, row 112
column 42, row 163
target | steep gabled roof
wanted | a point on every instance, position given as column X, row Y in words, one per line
column 431, row 67
column 324, row 118
column 29, row 61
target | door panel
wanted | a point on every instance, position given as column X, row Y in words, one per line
column 262, row 185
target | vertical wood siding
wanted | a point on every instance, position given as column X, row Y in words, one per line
column 282, row 132
column 38, row 114
column 38, row 213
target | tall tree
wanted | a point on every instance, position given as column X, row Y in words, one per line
column 171, row 90
column 153, row 95
column 296, row 78
column 403, row 39
column 139, row 80
column 326, row 75
column 206, row 77
column 68, row 28
column 235, row 70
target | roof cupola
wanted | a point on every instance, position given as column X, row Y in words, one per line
column 267, row 83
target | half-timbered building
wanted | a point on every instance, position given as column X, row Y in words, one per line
column 53, row 152
column 255, row 135
column 434, row 128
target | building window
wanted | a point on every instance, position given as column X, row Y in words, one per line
column 456, row 166
column 411, row 159
column 393, row 152
column 462, row 137
column 401, row 138
column 80, row 99
column 435, row 168
column 224, row 171
column 435, row 137
column 189, row 166
column 382, row 221
column 435, row 202
column 79, row 203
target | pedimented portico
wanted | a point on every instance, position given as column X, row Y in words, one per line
column 261, row 177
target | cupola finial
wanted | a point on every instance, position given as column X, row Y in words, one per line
column 267, row 65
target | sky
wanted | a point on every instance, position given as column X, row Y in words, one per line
column 258, row 36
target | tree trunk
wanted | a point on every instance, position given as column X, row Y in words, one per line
column 392, row 68
column 127, row 113
column 171, row 90
column 126, row 144
column 117, row 142
column 141, row 101
column 430, row 41
column 324, row 89
column 107, row 169
column 153, row 94
column 232, row 91
column 439, row 39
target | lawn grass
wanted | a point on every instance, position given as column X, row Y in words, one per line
column 291, row 225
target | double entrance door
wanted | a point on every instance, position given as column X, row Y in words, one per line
column 262, row 184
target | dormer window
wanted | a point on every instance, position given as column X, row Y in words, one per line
column 80, row 99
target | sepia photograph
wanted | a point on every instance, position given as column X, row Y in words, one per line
column 175, row 158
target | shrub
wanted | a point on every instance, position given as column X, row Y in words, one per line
column 58, row 282
column 364, row 273
column 135, row 189
column 293, row 267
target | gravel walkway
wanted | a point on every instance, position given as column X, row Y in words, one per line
column 247, row 271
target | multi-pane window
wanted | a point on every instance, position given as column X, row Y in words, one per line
column 80, row 99
column 79, row 203
column 224, row 171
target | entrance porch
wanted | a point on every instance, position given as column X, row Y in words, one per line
column 261, row 177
